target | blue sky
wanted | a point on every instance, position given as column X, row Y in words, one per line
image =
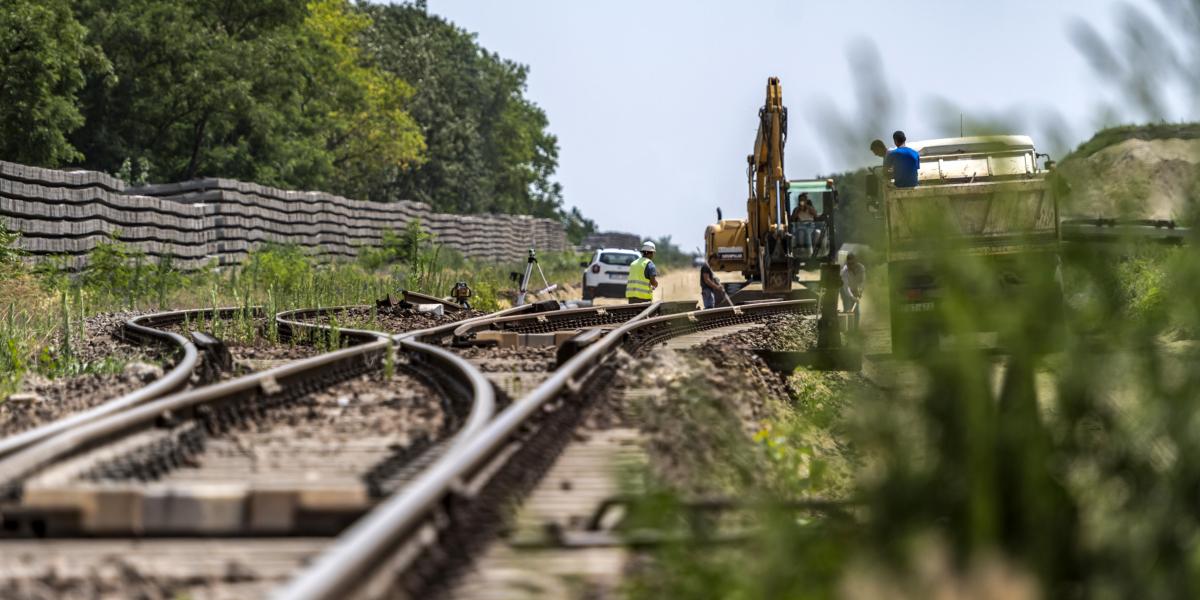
column 655, row 103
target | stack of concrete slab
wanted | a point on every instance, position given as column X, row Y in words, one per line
column 197, row 222
column 612, row 239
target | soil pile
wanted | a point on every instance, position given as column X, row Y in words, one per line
column 1134, row 179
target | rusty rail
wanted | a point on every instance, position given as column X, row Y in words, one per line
column 143, row 330
column 267, row 388
column 404, row 520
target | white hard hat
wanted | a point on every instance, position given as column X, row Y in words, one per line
column 648, row 247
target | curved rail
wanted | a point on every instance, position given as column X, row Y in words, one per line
column 651, row 331
column 358, row 552
column 291, row 325
column 143, row 330
column 415, row 344
column 292, row 322
column 554, row 321
column 558, row 320
column 271, row 387
column 339, row 571
column 347, row 565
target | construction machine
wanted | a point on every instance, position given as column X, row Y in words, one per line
column 764, row 249
column 983, row 197
column 810, row 251
column 760, row 247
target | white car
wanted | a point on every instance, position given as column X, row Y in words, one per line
column 605, row 275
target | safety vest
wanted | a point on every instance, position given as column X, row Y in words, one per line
column 638, row 285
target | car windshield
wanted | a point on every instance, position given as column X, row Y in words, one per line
column 620, row 259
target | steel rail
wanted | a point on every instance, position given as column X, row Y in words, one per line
column 340, row 570
column 653, row 330
column 19, row 465
column 470, row 378
column 420, row 344
column 76, row 436
column 522, row 322
column 79, row 435
column 415, row 344
column 289, row 323
column 346, row 566
column 142, row 329
column 289, row 378
column 556, row 320
column 442, row 332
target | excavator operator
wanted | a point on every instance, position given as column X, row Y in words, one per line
column 804, row 225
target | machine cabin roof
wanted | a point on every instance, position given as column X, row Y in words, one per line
column 815, row 188
column 980, row 144
column 978, row 158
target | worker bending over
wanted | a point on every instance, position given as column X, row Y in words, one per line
column 711, row 291
column 854, row 279
column 643, row 277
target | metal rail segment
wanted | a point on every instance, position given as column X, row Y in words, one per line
column 273, row 386
column 144, row 330
column 349, row 564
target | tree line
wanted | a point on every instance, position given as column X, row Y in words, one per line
column 376, row 102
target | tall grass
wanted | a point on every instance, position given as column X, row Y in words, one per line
column 1063, row 463
column 49, row 304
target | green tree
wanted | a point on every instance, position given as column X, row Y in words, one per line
column 276, row 92
column 369, row 134
column 578, row 226
column 42, row 58
column 668, row 253
column 198, row 89
column 488, row 147
column 309, row 94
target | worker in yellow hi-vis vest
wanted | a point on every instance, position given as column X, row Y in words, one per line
column 643, row 277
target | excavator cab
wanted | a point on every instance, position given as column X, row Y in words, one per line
column 811, row 238
column 760, row 246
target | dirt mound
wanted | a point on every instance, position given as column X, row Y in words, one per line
column 1135, row 179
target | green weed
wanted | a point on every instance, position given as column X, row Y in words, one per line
column 40, row 335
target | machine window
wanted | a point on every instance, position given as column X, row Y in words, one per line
column 619, row 259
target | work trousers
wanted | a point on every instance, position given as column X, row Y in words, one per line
column 852, row 305
column 803, row 233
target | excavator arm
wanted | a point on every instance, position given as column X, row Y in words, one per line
column 760, row 245
column 766, row 209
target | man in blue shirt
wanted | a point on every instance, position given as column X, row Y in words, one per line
column 903, row 162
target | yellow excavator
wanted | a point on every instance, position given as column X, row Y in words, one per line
column 760, row 246
column 762, row 249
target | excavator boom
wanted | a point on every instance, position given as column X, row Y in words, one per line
column 760, row 246
column 770, row 244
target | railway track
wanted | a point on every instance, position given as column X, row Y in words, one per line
column 562, row 540
column 413, row 543
column 301, row 448
column 184, row 340
column 145, row 330
column 275, row 464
